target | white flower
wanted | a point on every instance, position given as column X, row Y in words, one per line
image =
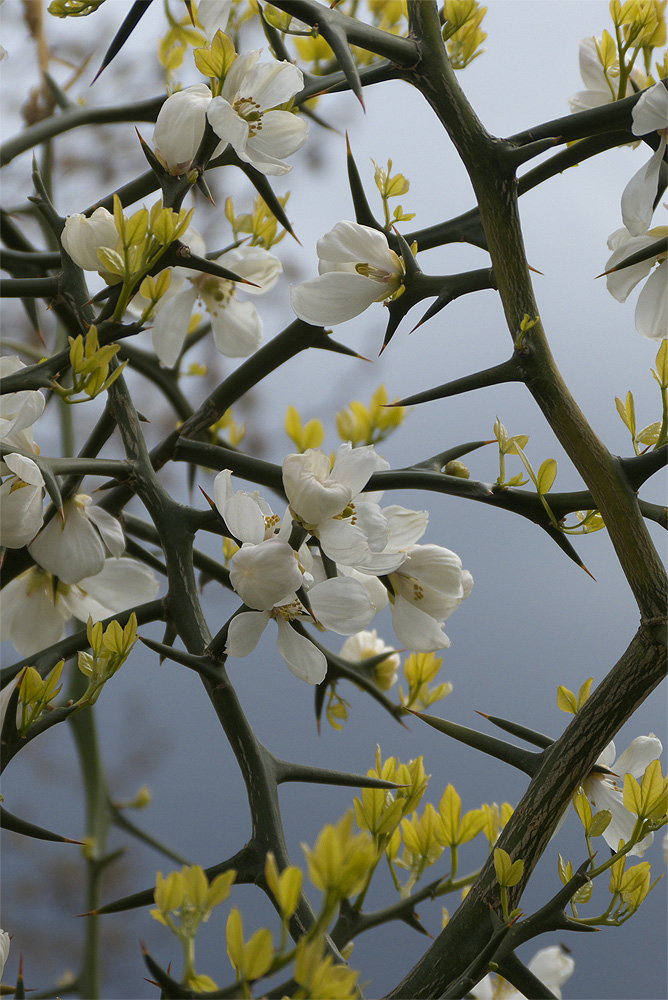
column 651, row 315
column 341, row 605
column 356, row 268
column 650, row 114
column 236, row 325
column 83, row 236
column 265, row 575
column 265, row 571
column 318, row 490
column 405, row 527
column 599, row 91
column 35, row 606
column 365, row 644
column 428, row 586
column 248, row 515
column 18, row 410
column 242, row 115
column 553, row 966
column 327, row 499
column 4, row 944
column 180, row 126
column 71, row 547
column 606, row 792
column 21, row 502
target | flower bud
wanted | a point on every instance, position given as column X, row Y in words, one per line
column 82, row 237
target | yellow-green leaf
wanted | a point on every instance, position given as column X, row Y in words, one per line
column 600, row 822
column 546, row 475
column 566, row 700
column 113, row 637
column 258, row 954
column 235, row 938
column 502, row 865
column 583, row 810
column 583, row 693
column 632, row 795
column 136, row 227
column 450, row 810
column 649, row 434
column 110, row 260
column 662, row 364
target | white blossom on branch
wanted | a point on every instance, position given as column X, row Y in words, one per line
column 650, row 114
column 243, row 115
column 356, row 268
column 36, row 606
column 651, row 315
column 235, row 324
column 21, row 502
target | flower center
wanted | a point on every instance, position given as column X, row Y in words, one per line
column 348, row 512
column 215, row 292
column 375, row 273
column 271, row 521
column 249, row 110
column 288, row 612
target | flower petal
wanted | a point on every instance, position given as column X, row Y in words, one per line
column 343, row 541
column 265, row 575
column 650, row 112
column 415, row 629
column 29, row 620
column 621, row 283
column 22, row 513
column 244, row 518
column 227, row 124
column 301, row 656
column 109, row 528
column 343, row 606
column 553, row 967
column 245, row 632
column 82, row 236
column 281, row 135
column 121, row 584
column 24, row 468
column 351, row 242
column 355, row 466
column 237, row 329
column 242, row 67
column 638, row 756
column 213, row 15
column 640, row 193
column 406, row 526
column 651, row 316
column 335, row 297
column 180, row 126
column 170, row 325
column 71, row 551
column 255, row 264
column 271, row 83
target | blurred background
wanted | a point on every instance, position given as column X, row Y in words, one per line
column 534, row 620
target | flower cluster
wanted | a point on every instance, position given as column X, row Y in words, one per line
column 244, row 115
column 79, row 569
column 277, row 577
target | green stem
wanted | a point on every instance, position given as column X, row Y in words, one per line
column 98, row 821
